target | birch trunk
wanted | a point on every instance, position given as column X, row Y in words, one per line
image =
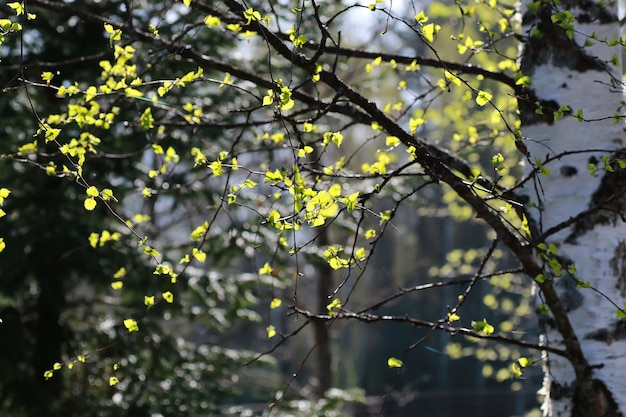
column 564, row 72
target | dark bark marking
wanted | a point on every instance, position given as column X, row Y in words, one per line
column 617, row 331
column 592, row 12
column 570, row 295
column 618, row 263
column 568, row 171
column 553, row 46
column 559, row 391
column 528, row 109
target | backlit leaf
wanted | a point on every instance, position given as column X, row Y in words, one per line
column 394, row 362
column 90, row 204
column 483, row 98
column 131, row 325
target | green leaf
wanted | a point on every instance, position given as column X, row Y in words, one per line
column 483, row 98
column 394, row 363
column 525, row 226
column 212, row 21
column 483, row 327
column 516, row 370
column 521, row 79
column 250, row 14
column 271, row 331
column 90, row 204
column 199, row 255
column 146, row 121
column 5, row 25
column 18, row 7
column 268, row 98
column 497, row 160
column 199, row 231
column 429, row 31
column 591, row 167
column 131, row 325
column 92, row 191
column 421, row 17
column 335, row 304
column 558, row 115
column 453, row 317
column 579, row 115
column 583, row 284
column 168, row 296
column 266, row 269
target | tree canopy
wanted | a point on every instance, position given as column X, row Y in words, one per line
column 199, row 197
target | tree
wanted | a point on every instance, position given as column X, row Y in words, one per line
column 258, row 138
column 579, row 217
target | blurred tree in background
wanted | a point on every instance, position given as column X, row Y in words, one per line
column 218, row 203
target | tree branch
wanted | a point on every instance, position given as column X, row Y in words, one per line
column 373, row 318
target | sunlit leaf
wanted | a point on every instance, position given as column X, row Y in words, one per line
column 483, row 98
column 394, row 363
column 131, row 325
column 271, row 331
column 168, row 296
column 90, row 204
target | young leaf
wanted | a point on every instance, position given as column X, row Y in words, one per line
column 90, row 204
column 394, row 363
column 92, row 191
column 453, row 317
column 131, row 325
column 483, row 98
column 168, row 296
column 483, row 327
column 429, row 31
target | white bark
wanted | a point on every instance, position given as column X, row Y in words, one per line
column 598, row 249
